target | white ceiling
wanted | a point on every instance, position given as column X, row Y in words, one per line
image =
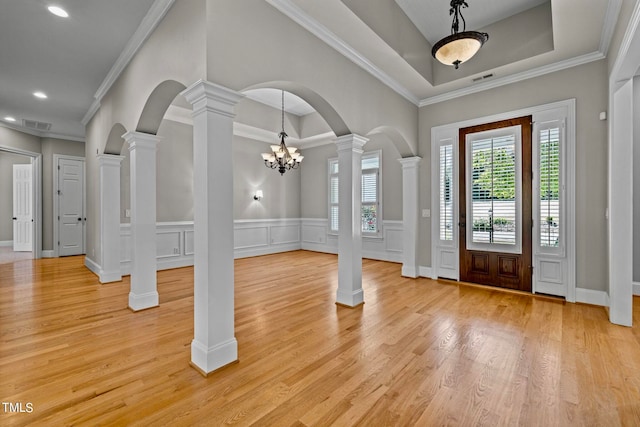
column 70, row 58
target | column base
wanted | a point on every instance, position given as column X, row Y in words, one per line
column 207, row 360
column 110, row 276
column 350, row 299
column 409, row 271
column 143, row 301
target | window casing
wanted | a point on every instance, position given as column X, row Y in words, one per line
column 371, row 206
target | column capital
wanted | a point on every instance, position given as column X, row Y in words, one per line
column 350, row 142
column 410, row 162
column 141, row 140
column 109, row 159
column 204, row 95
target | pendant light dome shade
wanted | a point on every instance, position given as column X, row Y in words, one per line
column 458, row 47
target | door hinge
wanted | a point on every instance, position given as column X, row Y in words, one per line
column 58, row 217
column 58, row 243
column 58, row 167
column 59, row 192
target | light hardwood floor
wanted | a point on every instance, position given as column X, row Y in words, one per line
column 419, row 352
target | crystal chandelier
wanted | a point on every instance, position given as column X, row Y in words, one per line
column 458, row 47
column 282, row 157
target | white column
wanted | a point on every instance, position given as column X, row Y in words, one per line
column 621, row 206
column 144, row 289
column 410, row 172
column 350, row 291
column 214, row 344
column 109, row 166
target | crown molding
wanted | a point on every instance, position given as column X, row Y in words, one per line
column 514, row 78
column 269, row 137
column 39, row 134
column 156, row 13
column 288, row 8
column 95, row 105
column 609, row 26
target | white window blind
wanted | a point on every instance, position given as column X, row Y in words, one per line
column 446, row 192
column 333, row 195
column 493, row 190
column 549, row 184
column 370, row 210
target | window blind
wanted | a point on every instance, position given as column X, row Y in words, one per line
column 549, row 182
column 446, row 199
column 493, row 181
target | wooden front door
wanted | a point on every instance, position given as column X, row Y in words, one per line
column 495, row 204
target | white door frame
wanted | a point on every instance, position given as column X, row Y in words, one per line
column 56, row 223
column 452, row 131
column 621, row 171
column 36, row 161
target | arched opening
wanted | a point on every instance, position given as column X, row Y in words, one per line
column 115, row 140
column 157, row 104
column 395, row 137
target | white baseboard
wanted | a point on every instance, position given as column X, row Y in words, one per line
column 425, row 272
column 6, row 243
column 92, row 265
column 48, row 254
column 636, row 288
column 272, row 249
column 589, row 296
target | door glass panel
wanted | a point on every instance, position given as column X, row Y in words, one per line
column 493, row 203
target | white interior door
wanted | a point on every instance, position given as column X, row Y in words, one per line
column 22, row 208
column 71, row 220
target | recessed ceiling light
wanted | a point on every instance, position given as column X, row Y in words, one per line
column 40, row 95
column 58, row 11
column 10, row 119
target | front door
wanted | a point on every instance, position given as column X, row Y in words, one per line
column 495, row 204
column 71, row 221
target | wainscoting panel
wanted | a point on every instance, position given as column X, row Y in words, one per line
column 169, row 244
column 316, row 237
column 251, row 237
column 175, row 241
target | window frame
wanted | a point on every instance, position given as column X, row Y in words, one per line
column 560, row 249
column 378, row 203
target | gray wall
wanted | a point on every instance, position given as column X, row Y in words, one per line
column 7, row 160
column 586, row 83
column 174, row 180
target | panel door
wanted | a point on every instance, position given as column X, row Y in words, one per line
column 495, row 204
column 71, row 221
column 22, row 208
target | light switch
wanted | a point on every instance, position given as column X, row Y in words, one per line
column 426, row 213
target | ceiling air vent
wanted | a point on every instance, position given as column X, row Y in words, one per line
column 33, row 124
column 477, row 79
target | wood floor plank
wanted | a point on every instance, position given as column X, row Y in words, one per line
column 418, row 352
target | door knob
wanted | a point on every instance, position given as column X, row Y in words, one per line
column 14, row 218
column 79, row 219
